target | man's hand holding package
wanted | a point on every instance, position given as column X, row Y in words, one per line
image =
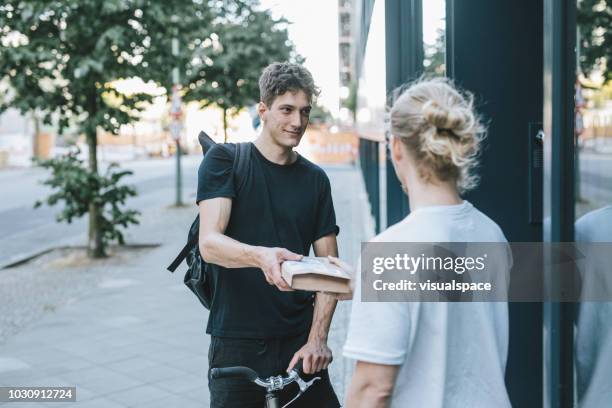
column 270, row 260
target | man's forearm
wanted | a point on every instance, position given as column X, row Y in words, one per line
column 325, row 304
column 222, row 250
column 324, row 308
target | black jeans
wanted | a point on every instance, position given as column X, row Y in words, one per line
column 267, row 357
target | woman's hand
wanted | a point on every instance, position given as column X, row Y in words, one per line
column 348, row 269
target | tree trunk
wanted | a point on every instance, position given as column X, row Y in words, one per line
column 36, row 139
column 224, row 125
column 95, row 246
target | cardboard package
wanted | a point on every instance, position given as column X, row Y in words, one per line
column 316, row 274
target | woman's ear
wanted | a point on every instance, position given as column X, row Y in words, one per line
column 397, row 150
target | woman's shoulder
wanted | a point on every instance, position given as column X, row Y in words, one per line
column 407, row 230
column 487, row 223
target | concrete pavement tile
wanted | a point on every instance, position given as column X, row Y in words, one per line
column 82, row 347
column 139, row 395
column 120, row 338
column 64, row 366
column 12, row 364
column 112, row 356
column 146, row 347
column 38, row 372
column 174, row 401
column 188, row 342
column 196, row 364
column 87, row 374
column 123, row 321
column 106, row 385
column 50, row 381
column 50, row 334
column 99, row 403
column 155, row 373
column 169, row 355
column 131, row 365
column 41, row 356
column 182, row 384
column 158, row 334
column 85, row 394
column 15, row 378
column 200, row 395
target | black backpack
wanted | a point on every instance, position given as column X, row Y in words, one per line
column 197, row 277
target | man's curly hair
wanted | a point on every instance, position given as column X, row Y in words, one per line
column 281, row 77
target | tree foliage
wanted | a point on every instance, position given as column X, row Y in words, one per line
column 595, row 24
column 320, row 115
column 77, row 187
column 64, row 59
column 435, row 55
column 239, row 49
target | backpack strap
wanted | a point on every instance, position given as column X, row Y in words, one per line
column 182, row 255
column 241, row 160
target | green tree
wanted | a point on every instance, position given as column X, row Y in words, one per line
column 240, row 47
column 351, row 101
column 595, row 28
column 320, row 115
column 435, row 55
column 63, row 58
column 77, row 187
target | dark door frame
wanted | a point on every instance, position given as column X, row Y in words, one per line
column 404, row 63
column 559, row 182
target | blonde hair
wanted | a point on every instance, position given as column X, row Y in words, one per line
column 438, row 124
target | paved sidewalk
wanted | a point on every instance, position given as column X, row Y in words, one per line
column 133, row 336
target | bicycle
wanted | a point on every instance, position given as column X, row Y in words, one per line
column 272, row 384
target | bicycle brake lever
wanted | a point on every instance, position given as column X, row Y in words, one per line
column 305, row 385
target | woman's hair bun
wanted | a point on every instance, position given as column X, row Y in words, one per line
column 438, row 124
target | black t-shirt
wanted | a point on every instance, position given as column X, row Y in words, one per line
column 244, row 305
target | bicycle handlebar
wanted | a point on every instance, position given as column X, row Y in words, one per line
column 298, row 368
column 272, row 384
column 235, row 372
column 246, row 372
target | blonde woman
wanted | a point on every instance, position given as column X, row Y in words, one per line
column 434, row 355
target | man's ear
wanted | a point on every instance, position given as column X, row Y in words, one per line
column 261, row 110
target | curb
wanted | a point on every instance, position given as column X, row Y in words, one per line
column 23, row 259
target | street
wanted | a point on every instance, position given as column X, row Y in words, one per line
column 27, row 231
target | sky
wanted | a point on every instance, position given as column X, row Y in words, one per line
column 433, row 18
column 314, row 31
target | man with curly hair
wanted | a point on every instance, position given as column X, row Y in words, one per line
column 279, row 210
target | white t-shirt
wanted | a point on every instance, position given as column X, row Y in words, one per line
column 593, row 330
column 450, row 354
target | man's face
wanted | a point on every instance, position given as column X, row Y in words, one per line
column 287, row 118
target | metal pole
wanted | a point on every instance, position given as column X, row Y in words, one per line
column 179, row 186
column 177, row 137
